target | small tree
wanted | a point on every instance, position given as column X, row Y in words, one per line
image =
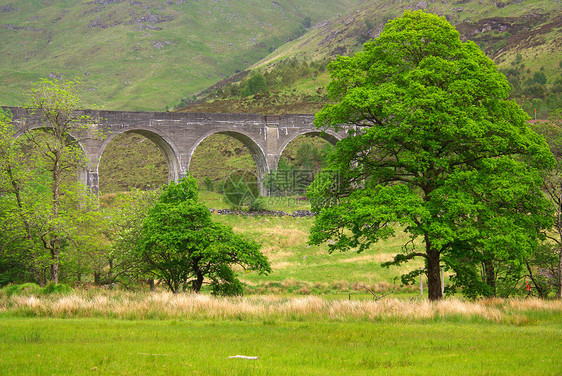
column 16, row 241
column 57, row 103
column 124, row 231
column 256, row 84
column 241, row 189
column 182, row 245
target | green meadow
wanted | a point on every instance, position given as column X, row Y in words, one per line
column 450, row 346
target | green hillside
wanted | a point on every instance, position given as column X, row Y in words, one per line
column 523, row 37
column 144, row 54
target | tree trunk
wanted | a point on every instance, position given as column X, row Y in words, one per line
column 110, row 272
column 151, row 284
column 54, row 243
column 490, row 275
column 56, row 183
column 433, row 273
column 55, row 266
column 198, row 282
column 559, row 293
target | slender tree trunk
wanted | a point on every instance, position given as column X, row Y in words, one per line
column 433, row 272
column 56, row 183
column 151, row 284
column 55, row 241
column 110, row 272
column 542, row 294
column 17, row 192
column 559, row 293
column 55, row 266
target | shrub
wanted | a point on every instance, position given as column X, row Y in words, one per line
column 57, row 288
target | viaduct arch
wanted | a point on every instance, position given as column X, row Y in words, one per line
column 179, row 134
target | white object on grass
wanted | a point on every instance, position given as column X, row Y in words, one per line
column 243, row 357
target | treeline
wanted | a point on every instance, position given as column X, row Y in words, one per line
column 281, row 76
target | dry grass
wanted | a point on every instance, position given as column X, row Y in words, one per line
column 363, row 259
column 163, row 305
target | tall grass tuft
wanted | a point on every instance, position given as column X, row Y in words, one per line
column 164, row 305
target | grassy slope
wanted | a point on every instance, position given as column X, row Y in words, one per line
column 143, row 54
column 302, row 268
column 481, row 21
column 502, row 29
column 132, row 161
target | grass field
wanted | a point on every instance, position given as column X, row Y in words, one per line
column 187, row 335
column 302, row 268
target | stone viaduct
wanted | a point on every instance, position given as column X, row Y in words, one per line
column 179, row 134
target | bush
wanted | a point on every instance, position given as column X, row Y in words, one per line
column 34, row 289
column 60, row 288
column 241, row 189
column 208, row 183
column 259, row 204
column 23, row 289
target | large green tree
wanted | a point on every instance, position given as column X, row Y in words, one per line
column 435, row 147
column 183, row 245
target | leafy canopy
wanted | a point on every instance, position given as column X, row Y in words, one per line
column 434, row 146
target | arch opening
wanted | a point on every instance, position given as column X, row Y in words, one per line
column 301, row 158
column 222, row 158
column 136, row 159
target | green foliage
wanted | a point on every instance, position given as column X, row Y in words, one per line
column 34, row 289
column 124, row 231
column 182, row 245
column 543, row 270
column 256, row 84
column 259, row 204
column 184, row 190
column 23, row 289
column 282, row 75
column 241, row 189
column 296, row 171
column 539, row 78
column 58, row 104
column 60, row 288
column 208, row 183
column 545, row 266
column 445, row 156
